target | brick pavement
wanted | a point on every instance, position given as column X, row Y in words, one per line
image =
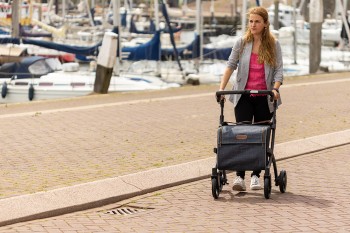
column 47, row 150
column 316, row 200
column 59, row 114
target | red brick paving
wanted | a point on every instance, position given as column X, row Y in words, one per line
column 316, row 200
column 43, row 151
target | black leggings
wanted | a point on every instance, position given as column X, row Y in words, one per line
column 252, row 109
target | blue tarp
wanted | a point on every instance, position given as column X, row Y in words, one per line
column 9, row 40
column 147, row 51
column 81, row 50
column 21, row 69
column 3, row 32
column 78, row 50
column 123, row 19
column 193, row 48
column 219, row 54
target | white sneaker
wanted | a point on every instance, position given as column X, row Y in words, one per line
column 238, row 184
column 255, row 183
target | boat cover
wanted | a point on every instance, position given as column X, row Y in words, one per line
column 219, row 54
column 146, row 51
column 21, row 69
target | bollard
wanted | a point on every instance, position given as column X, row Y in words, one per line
column 105, row 62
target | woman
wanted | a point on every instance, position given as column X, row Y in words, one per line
column 258, row 57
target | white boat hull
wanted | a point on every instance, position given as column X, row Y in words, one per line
column 59, row 85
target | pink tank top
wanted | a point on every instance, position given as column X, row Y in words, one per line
column 256, row 76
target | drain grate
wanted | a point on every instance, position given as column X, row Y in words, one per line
column 126, row 210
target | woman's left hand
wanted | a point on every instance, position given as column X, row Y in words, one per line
column 276, row 95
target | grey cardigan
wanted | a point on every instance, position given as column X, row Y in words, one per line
column 272, row 74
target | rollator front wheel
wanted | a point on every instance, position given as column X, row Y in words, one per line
column 267, row 187
column 283, row 181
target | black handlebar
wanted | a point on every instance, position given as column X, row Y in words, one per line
column 243, row 92
column 246, row 92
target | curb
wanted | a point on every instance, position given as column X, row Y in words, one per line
column 98, row 193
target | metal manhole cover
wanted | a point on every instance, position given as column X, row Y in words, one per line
column 127, row 210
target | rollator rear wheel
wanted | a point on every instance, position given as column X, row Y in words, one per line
column 215, row 187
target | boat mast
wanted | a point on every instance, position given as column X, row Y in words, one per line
column 15, row 18
column 116, row 24
column 63, row 9
column 276, row 16
column 212, row 21
column 199, row 28
column 156, row 17
column 344, row 19
column 295, row 32
column 88, row 9
column 172, row 40
column 244, row 16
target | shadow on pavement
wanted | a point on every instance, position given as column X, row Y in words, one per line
column 278, row 198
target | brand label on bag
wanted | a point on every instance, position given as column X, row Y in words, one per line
column 241, row 137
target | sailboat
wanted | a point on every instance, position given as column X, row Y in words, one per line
column 40, row 78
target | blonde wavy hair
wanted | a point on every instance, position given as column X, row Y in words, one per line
column 267, row 50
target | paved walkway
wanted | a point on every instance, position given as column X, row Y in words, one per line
column 54, row 144
column 317, row 200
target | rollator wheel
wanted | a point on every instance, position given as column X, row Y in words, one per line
column 215, row 187
column 267, row 187
column 221, row 181
column 283, row 181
